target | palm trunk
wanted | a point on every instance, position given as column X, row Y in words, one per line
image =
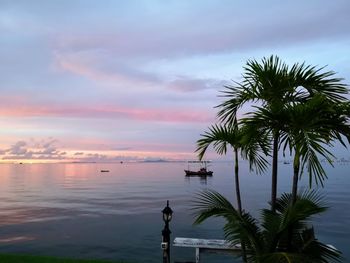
column 238, row 191
column 296, row 168
column 274, row 172
column 239, row 202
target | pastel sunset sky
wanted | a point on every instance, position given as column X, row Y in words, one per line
column 131, row 80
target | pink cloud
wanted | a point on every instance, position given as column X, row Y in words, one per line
column 112, row 112
column 45, row 150
column 94, row 66
column 80, row 145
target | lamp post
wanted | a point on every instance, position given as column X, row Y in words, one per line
column 167, row 216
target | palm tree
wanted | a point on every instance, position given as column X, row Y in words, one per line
column 311, row 128
column 308, row 131
column 268, row 241
column 272, row 85
column 238, row 138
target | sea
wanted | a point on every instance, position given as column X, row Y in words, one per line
column 74, row 210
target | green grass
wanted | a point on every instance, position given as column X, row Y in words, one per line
column 11, row 258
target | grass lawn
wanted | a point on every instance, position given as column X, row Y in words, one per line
column 11, row 258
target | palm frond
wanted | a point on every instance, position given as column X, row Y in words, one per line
column 210, row 203
column 315, row 81
column 238, row 227
column 255, row 144
column 218, row 136
column 268, row 243
column 307, row 204
column 236, row 96
column 309, row 131
column 319, row 252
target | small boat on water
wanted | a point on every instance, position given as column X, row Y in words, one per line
column 201, row 172
column 104, row 171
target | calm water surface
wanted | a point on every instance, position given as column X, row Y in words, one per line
column 74, row 210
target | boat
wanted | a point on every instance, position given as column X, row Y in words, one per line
column 104, row 171
column 201, row 172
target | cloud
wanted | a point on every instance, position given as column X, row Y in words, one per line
column 18, row 148
column 150, row 67
column 47, row 147
column 211, row 28
column 122, row 148
column 95, row 157
column 105, row 111
column 93, row 67
column 101, row 67
column 44, row 149
column 187, row 84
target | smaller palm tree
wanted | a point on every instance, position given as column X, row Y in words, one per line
column 269, row 241
column 244, row 139
column 307, row 130
column 311, row 128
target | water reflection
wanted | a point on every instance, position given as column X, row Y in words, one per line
column 202, row 179
column 75, row 210
column 21, row 215
column 13, row 239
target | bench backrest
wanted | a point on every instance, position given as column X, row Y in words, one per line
column 205, row 243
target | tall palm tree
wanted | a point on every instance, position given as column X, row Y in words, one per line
column 264, row 83
column 267, row 242
column 272, row 85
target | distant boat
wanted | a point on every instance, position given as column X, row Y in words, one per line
column 104, row 171
column 286, row 162
column 201, row 172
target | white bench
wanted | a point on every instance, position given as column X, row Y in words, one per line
column 215, row 245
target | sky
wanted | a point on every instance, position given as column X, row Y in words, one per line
column 139, row 80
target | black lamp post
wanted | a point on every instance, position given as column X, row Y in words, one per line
column 167, row 216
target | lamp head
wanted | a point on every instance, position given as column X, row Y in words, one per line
column 167, row 213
